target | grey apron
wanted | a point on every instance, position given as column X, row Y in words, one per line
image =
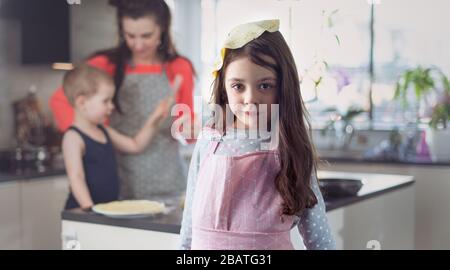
column 159, row 169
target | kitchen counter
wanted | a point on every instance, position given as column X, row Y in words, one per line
column 170, row 222
column 374, row 185
column 30, row 173
column 12, row 170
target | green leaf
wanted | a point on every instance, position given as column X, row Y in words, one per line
column 330, row 22
column 397, row 90
column 403, row 87
column 329, row 125
column 316, row 83
column 330, row 109
column 352, row 113
column 417, row 89
column 337, row 39
column 445, row 82
column 441, row 115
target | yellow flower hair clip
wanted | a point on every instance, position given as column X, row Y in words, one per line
column 243, row 34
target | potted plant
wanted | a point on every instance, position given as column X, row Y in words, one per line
column 340, row 126
column 432, row 90
column 438, row 134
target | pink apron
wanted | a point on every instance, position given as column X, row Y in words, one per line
column 236, row 204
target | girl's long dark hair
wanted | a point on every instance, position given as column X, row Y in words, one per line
column 120, row 55
column 297, row 152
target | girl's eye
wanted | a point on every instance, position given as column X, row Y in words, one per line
column 238, row 87
column 265, row 86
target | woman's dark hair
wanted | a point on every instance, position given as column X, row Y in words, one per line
column 297, row 153
column 135, row 9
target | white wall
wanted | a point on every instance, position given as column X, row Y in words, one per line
column 5, row 114
column 93, row 27
column 187, row 30
column 15, row 79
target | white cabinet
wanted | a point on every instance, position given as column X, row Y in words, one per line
column 30, row 213
column 383, row 222
column 89, row 236
column 42, row 203
column 432, row 200
column 9, row 215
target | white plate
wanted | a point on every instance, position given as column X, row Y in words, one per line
column 129, row 216
column 130, row 208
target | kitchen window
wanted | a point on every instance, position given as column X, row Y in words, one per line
column 331, row 42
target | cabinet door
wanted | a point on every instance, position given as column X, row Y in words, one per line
column 9, row 215
column 42, row 203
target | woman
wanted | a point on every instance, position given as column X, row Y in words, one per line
column 143, row 65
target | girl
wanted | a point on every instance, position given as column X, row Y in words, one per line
column 240, row 196
column 142, row 65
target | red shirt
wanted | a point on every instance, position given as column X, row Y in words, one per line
column 63, row 111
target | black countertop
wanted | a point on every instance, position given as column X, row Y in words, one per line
column 31, row 173
column 374, row 185
column 169, row 222
column 29, row 168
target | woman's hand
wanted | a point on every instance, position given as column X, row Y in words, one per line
column 163, row 108
column 162, row 111
column 145, row 135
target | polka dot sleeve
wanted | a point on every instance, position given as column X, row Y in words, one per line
column 313, row 224
column 186, row 224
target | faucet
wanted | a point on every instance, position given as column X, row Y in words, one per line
column 348, row 133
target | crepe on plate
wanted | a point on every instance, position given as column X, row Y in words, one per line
column 130, row 207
